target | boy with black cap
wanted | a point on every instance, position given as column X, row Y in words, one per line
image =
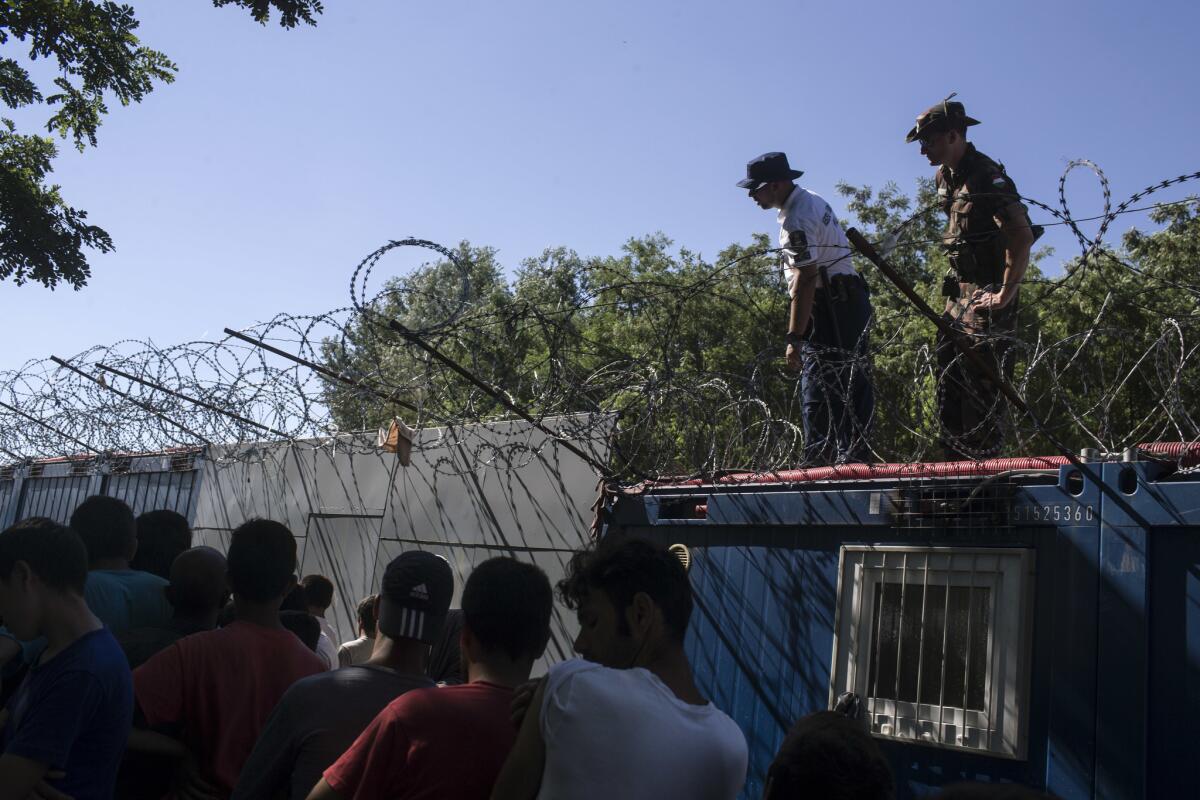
column 829, row 315
column 319, row 717
column 451, row 742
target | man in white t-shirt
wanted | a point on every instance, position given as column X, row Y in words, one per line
column 357, row 651
column 829, row 316
column 627, row 720
column 318, row 596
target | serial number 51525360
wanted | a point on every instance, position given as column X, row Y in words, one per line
column 1063, row 512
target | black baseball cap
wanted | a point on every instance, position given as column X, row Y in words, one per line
column 415, row 596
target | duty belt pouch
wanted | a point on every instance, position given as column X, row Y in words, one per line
column 839, row 288
column 950, row 285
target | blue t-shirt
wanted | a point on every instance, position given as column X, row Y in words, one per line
column 124, row 599
column 73, row 713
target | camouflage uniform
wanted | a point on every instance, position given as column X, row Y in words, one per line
column 972, row 410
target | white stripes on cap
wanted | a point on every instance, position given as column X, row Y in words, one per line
column 412, row 623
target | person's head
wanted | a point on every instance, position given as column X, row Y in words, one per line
column 942, row 131
column 107, row 528
column 40, row 560
column 304, row 625
column 770, row 180
column 199, row 583
column 318, row 593
column 295, row 599
column 506, row 607
column 261, row 562
column 829, row 755
column 366, row 615
column 632, row 598
column 414, row 597
column 161, row 536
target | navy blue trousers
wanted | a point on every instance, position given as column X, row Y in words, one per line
column 835, row 381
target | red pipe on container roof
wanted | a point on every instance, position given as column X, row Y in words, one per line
column 1188, row 451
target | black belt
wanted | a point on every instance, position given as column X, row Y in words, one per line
column 839, row 287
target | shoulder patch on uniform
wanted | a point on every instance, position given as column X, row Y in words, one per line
column 828, row 215
column 798, row 244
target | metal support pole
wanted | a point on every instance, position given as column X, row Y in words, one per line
column 139, row 403
column 492, row 391
column 203, row 404
column 48, row 427
column 320, row 370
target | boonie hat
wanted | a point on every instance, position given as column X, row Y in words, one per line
column 941, row 117
column 766, row 168
column 415, row 596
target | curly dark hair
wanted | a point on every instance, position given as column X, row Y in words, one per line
column 622, row 567
column 829, row 755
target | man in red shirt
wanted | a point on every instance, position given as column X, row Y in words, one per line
column 215, row 690
column 450, row 742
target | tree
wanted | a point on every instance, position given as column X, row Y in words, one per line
column 689, row 352
column 97, row 55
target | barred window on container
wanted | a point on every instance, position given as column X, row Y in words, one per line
column 935, row 640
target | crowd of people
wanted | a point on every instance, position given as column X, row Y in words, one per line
column 138, row 666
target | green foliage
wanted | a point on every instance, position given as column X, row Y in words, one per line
column 41, row 237
column 96, row 56
column 291, row 12
column 1108, row 354
column 689, row 353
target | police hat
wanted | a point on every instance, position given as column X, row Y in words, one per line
column 766, row 168
column 942, row 117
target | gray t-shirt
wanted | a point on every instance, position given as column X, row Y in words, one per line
column 316, row 721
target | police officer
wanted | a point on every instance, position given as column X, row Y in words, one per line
column 827, row 334
column 988, row 238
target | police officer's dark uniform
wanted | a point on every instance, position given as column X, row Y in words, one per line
column 973, row 413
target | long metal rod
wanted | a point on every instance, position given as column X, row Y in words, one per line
column 963, row 343
column 337, row 376
column 139, row 403
column 203, row 404
column 494, row 392
column 49, row 427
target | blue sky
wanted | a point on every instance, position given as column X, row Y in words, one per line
column 256, row 182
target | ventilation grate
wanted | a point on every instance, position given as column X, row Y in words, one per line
column 684, row 555
column 183, row 462
column 958, row 504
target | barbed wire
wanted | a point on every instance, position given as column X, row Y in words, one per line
column 624, row 365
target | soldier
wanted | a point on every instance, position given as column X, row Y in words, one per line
column 830, row 312
column 988, row 238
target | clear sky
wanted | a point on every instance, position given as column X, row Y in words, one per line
column 256, row 182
